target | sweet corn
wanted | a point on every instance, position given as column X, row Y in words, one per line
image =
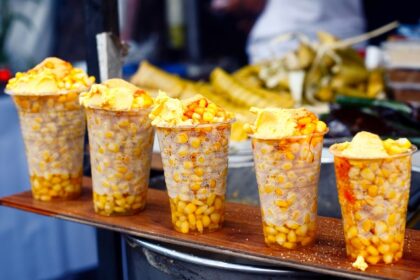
column 286, row 170
column 372, row 215
column 123, row 176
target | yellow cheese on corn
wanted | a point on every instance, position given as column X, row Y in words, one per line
column 368, row 145
column 277, row 123
column 194, row 110
column 117, row 95
column 51, row 76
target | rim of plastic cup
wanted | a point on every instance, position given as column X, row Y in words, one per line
column 336, row 153
column 199, row 125
column 50, row 93
column 290, row 137
column 137, row 110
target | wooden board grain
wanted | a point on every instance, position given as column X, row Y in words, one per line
column 241, row 235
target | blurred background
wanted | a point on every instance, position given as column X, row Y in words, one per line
column 240, row 53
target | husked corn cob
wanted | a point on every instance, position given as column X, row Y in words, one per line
column 149, row 76
column 121, row 147
column 241, row 95
column 53, row 128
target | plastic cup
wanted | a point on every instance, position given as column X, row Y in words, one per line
column 53, row 129
column 195, row 162
column 373, row 195
column 287, row 171
column 120, row 153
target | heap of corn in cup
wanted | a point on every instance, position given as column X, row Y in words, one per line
column 121, row 140
column 287, row 145
column 53, row 126
column 373, row 182
column 193, row 137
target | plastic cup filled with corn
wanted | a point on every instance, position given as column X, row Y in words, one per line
column 373, row 183
column 120, row 142
column 287, row 147
column 53, row 126
column 193, row 138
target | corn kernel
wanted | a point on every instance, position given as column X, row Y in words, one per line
column 206, row 221
column 182, row 138
column 372, row 251
column 195, row 142
column 281, row 238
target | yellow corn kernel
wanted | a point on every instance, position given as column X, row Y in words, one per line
column 302, row 230
column 373, row 259
column 383, row 248
column 191, row 219
column 281, row 238
column 289, row 245
column 122, row 169
column 199, row 225
column 218, row 204
column 190, row 208
column 290, row 156
column 199, row 171
column 367, row 174
column 188, row 164
column 372, row 251
column 391, row 194
column 215, row 217
column 195, row 142
column 269, row 230
column 282, row 203
column 207, row 116
column 388, row 258
column 291, row 236
column 287, row 166
column 352, row 232
column 375, row 239
column 392, row 219
column 380, row 227
column 367, row 225
column 195, row 187
column 212, row 183
column 201, row 209
column 113, row 147
column 281, row 179
column 181, row 206
column 268, row 189
column 206, row 221
column 278, row 191
column 185, row 227
column 109, row 134
column 210, row 199
column 182, row 138
column 320, row 126
column 292, row 224
column 373, row 190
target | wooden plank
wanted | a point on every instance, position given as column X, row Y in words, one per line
column 241, row 235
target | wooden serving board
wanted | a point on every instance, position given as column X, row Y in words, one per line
column 241, row 235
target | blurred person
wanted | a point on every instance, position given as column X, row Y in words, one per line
column 344, row 19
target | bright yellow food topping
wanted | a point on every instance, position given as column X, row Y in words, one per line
column 360, row 263
column 117, row 95
column 51, row 76
column 274, row 123
column 195, row 110
column 368, row 145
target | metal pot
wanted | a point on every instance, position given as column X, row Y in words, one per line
column 153, row 260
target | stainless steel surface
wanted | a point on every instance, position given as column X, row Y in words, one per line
column 189, row 258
